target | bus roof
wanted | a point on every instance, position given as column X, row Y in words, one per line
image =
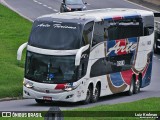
column 97, row 15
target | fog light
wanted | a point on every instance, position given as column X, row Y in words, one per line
column 27, row 93
column 69, row 96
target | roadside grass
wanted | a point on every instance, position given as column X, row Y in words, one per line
column 126, row 111
column 14, row 31
column 122, row 111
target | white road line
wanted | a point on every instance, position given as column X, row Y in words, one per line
column 49, row 7
column 35, row 1
column 55, row 10
column 140, row 5
column 39, row 3
column 45, row 5
column 6, row 4
column 154, row 56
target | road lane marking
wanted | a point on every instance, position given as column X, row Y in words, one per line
column 140, row 6
column 49, row 7
column 35, row 1
column 44, row 5
column 39, row 3
column 55, row 10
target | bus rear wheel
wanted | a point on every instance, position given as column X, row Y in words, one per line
column 131, row 89
column 136, row 87
column 96, row 94
column 155, row 48
column 88, row 95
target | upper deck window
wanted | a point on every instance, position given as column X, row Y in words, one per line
column 125, row 28
column 128, row 27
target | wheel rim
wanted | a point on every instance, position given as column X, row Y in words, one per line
column 96, row 93
column 155, row 46
column 137, row 86
column 131, row 88
column 88, row 95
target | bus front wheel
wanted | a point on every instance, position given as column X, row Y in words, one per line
column 39, row 101
column 88, row 95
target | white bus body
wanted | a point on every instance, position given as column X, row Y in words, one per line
column 100, row 52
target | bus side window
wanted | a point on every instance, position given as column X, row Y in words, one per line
column 87, row 33
column 125, row 28
column 148, row 23
column 148, row 30
column 83, row 68
column 100, row 32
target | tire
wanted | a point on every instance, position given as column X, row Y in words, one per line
column 88, row 95
column 96, row 94
column 131, row 89
column 39, row 101
column 155, row 48
column 136, row 87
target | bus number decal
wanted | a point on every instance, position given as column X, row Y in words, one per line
column 121, row 63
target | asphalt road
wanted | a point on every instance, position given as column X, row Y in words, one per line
column 34, row 8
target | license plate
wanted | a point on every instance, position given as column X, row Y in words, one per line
column 47, row 98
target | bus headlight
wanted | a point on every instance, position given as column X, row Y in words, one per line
column 28, row 84
column 70, row 87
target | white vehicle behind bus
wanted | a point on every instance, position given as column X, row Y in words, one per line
column 82, row 56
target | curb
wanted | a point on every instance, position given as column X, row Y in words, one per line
column 9, row 99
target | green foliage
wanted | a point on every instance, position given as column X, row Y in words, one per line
column 14, row 31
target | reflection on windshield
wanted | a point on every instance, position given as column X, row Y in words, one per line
column 50, row 69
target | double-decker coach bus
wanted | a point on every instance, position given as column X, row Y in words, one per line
column 81, row 56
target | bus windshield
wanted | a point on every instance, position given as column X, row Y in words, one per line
column 50, row 69
column 56, row 35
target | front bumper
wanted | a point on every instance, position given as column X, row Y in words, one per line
column 65, row 96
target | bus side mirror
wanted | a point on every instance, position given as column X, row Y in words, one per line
column 79, row 54
column 20, row 50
